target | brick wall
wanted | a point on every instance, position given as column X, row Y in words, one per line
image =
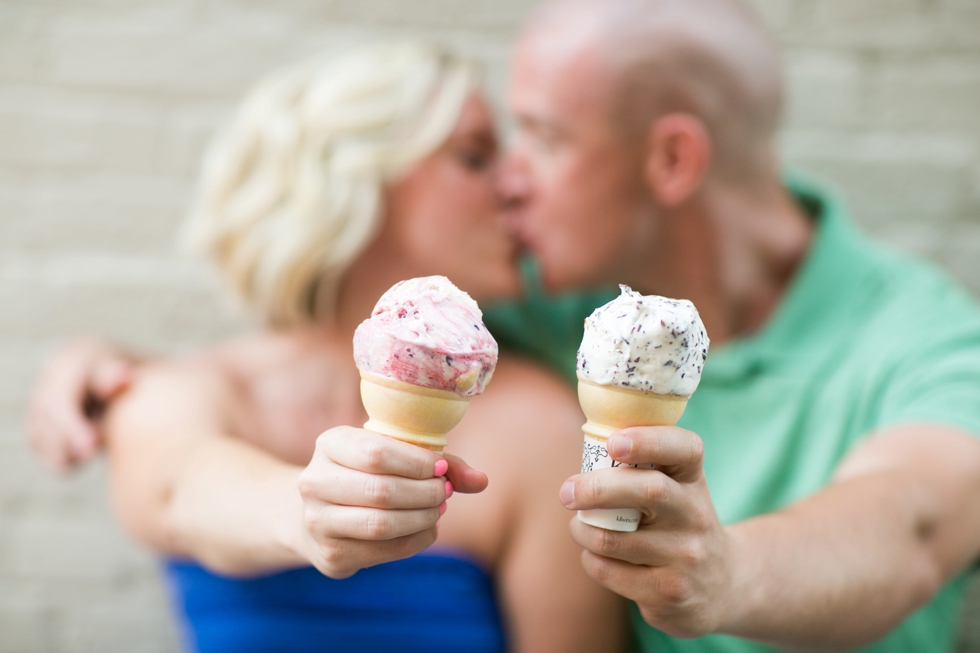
column 105, row 106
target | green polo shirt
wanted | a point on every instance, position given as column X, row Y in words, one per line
column 866, row 338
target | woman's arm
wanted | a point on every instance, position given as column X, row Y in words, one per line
column 551, row 604
column 185, row 485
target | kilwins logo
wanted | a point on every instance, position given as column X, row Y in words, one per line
column 592, row 454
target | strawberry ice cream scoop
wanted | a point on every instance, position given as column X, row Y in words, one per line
column 427, row 332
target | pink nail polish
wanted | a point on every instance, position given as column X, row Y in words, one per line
column 449, row 489
column 441, row 467
column 442, row 508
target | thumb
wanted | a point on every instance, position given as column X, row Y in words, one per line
column 464, row 478
column 111, row 379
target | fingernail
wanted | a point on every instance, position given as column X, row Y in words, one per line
column 449, row 489
column 441, row 467
column 567, row 493
column 620, row 446
column 442, row 508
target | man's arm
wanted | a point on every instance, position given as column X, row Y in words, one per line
column 69, row 397
column 831, row 572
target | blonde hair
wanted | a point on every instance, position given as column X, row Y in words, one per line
column 291, row 193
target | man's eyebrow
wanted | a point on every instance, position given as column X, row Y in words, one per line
column 533, row 122
column 543, row 127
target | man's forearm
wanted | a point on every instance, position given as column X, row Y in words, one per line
column 836, row 570
column 831, row 572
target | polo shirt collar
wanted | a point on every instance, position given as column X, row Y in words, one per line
column 833, row 286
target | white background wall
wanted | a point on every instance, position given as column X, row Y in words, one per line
column 105, row 106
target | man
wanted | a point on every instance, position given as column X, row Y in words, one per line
column 837, row 418
column 837, row 415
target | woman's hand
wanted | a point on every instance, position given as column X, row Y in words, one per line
column 69, row 398
column 368, row 499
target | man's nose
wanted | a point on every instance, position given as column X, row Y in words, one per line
column 513, row 181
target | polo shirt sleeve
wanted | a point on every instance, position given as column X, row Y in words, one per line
column 936, row 380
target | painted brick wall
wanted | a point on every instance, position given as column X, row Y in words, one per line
column 105, row 106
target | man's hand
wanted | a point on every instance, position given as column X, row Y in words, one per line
column 677, row 565
column 369, row 499
column 834, row 571
column 69, row 398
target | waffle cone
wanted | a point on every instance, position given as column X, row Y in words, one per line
column 609, row 408
column 410, row 413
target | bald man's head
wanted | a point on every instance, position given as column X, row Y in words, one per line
column 630, row 114
column 710, row 58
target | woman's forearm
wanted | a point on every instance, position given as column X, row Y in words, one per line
column 236, row 509
column 226, row 504
column 184, row 486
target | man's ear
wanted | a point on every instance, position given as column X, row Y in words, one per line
column 678, row 157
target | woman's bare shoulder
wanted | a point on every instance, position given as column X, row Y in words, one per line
column 212, row 367
column 187, row 372
column 191, row 387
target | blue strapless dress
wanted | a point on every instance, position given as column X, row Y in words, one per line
column 431, row 602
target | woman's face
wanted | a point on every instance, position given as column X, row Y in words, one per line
column 443, row 216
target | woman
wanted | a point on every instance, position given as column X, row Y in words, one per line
column 337, row 180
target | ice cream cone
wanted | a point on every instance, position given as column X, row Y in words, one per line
column 410, row 413
column 609, row 409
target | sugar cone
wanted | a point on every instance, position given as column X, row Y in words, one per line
column 410, row 413
column 609, row 409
